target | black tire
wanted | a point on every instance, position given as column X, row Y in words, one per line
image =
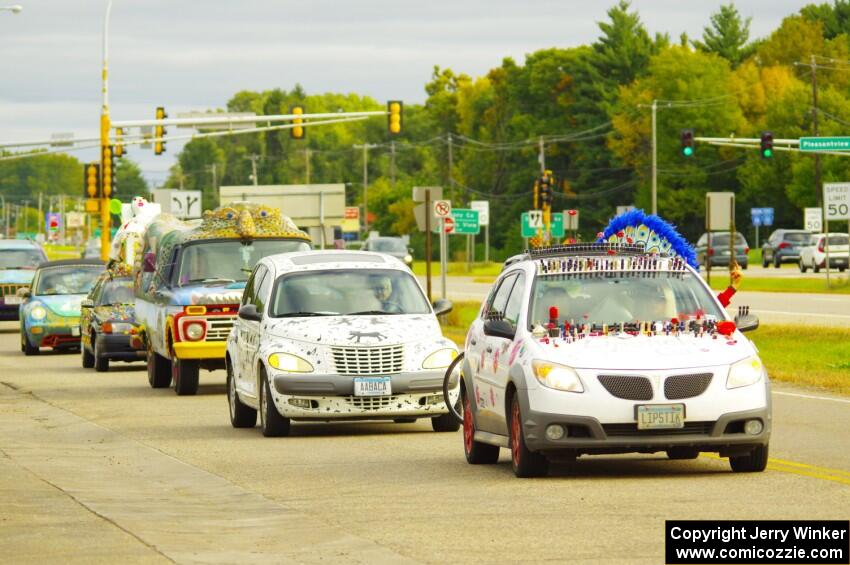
column 87, row 357
column 777, row 261
column 525, row 463
column 477, row 453
column 445, row 423
column 842, row 269
column 272, row 422
column 681, row 453
column 404, row 420
column 241, row 416
column 745, row 265
column 185, row 373
column 764, row 262
column 26, row 347
column 755, row 462
column 101, row 363
column 803, row 267
column 159, row 370
column 815, row 266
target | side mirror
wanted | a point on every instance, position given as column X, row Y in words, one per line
column 87, row 303
column 149, row 262
column 249, row 312
column 747, row 322
column 442, row 306
column 24, row 292
column 499, row 328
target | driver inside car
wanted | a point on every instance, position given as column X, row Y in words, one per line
column 382, row 287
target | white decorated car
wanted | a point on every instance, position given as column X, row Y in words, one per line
column 603, row 348
column 336, row 335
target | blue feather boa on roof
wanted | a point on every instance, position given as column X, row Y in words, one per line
column 656, row 235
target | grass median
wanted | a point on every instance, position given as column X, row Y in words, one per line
column 811, row 356
column 839, row 284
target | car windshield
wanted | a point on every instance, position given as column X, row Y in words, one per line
column 388, row 246
column 20, row 258
column 348, row 292
column 797, row 237
column 70, row 279
column 621, row 298
column 229, row 261
column 117, row 291
column 721, row 239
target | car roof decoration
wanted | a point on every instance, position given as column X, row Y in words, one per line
column 654, row 234
column 246, row 220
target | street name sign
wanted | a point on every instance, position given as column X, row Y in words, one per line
column 464, row 222
column 825, row 144
column 836, row 200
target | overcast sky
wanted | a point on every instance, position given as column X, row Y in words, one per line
column 193, row 55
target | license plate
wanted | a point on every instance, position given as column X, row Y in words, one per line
column 11, row 300
column 75, row 331
column 660, row 416
column 372, row 386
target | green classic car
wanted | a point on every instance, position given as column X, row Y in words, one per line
column 50, row 314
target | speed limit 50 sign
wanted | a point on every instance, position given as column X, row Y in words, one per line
column 836, row 200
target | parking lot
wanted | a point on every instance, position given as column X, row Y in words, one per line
column 121, row 472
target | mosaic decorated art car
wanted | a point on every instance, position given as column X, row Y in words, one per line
column 50, row 313
column 18, row 261
column 189, row 279
column 108, row 328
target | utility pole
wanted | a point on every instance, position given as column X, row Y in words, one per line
column 654, row 160
column 450, row 180
column 253, row 159
column 815, row 133
column 542, row 155
column 365, row 147
column 307, row 165
column 392, row 163
column 105, row 220
column 38, row 220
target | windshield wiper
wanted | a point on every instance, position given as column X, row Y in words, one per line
column 209, row 280
column 306, row 314
column 367, row 312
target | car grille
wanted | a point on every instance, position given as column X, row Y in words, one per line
column 368, row 360
column 686, row 386
column 218, row 328
column 631, row 430
column 371, row 402
column 627, row 387
column 10, row 289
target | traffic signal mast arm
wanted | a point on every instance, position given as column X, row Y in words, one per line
column 244, row 119
column 755, row 143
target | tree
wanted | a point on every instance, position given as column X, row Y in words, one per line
column 727, row 36
column 129, row 181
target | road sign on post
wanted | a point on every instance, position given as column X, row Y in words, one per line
column 813, row 219
column 449, row 225
column 761, row 217
column 571, row 220
column 836, row 200
column 483, row 207
column 720, row 215
column 442, row 208
column 532, row 223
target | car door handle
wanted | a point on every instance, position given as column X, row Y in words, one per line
column 489, row 349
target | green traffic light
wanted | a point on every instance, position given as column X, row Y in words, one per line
column 767, row 153
column 687, row 151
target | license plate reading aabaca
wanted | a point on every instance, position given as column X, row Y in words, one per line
column 660, row 416
column 372, row 386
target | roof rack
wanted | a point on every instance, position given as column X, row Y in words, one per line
column 586, row 249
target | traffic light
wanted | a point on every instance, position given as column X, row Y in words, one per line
column 766, row 144
column 159, row 132
column 299, row 131
column 119, row 145
column 107, row 177
column 395, row 108
column 536, row 194
column 91, row 180
column 687, row 137
column 546, row 188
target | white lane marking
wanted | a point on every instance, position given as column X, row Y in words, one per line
column 844, row 400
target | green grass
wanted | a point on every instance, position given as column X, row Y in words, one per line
column 460, row 269
column 810, row 356
column 839, row 284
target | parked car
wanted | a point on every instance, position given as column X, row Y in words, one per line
column 813, row 255
column 600, row 349
column 108, row 322
column 50, row 313
column 336, row 335
column 783, row 246
column 18, row 261
column 713, row 249
column 394, row 246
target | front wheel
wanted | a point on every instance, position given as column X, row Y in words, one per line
column 185, row 374
column 272, row 422
column 26, row 347
column 755, row 462
column 477, row 453
column 241, row 416
column 87, row 358
column 445, row 423
column 101, row 363
column 525, row 463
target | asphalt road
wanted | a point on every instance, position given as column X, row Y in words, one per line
column 101, row 468
column 770, row 307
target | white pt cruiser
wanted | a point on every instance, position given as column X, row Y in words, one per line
column 336, row 335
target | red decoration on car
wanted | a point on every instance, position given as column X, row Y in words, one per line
column 726, row 327
column 621, row 234
column 674, row 321
column 553, row 312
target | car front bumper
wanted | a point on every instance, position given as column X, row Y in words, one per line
column 200, row 349
column 118, row 348
column 57, row 336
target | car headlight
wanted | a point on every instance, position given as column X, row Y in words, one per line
column 440, row 359
column 117, row 327
column 408, row 259
column 559, row 377
column 38, row 313
column 289, row 363
column 744, row 373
